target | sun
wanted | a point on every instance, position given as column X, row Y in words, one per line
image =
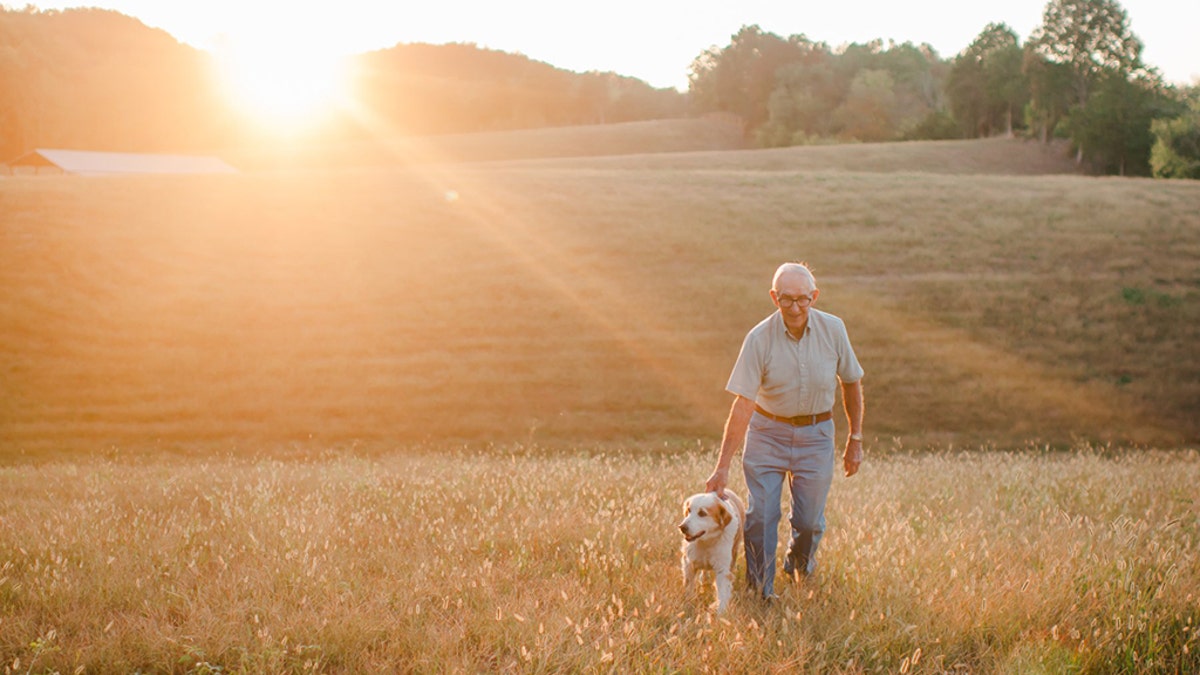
column 284, row 88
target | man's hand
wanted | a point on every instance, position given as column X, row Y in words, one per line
column 735, row 433
column 853, row 456
column 717, row 481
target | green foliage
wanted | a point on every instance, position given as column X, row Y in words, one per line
column 803, row 101
column 868, row 92
column 1113, row 130
column 986, row 86
column 1049, row 93
column 739, row 78
column 1176, row 151
column 1085, row 65
column 863, row 93
column 938, row 125
column 1090, row 37
column 868, row 111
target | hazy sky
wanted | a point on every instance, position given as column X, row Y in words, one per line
column 654, row 40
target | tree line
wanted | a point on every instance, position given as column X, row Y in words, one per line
column 99, row 80
column 1079, row 77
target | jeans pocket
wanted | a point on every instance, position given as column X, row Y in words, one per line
column 826, row 429
column 769, row 430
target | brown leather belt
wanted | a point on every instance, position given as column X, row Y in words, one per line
column 798, row 420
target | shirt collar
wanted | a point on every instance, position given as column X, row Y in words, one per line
column 783, row 326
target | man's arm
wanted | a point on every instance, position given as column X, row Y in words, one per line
column 852, row 399
column 735, row 435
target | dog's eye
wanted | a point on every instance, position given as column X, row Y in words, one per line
column 703, row 513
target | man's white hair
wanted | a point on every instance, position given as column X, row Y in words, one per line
column 794, row 268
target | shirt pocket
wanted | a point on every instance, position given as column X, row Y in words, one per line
column 824, row 368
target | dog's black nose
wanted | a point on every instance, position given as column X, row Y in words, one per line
column 683, row 529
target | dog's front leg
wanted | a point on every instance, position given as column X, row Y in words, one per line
column 724, row 584
column 689, row 576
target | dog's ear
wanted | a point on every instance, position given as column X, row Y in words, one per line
column 722, row 515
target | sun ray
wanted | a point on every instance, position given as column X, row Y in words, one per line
column 282, row 86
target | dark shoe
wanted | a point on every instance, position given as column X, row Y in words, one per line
column 792, row 572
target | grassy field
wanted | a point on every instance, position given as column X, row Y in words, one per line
column 424, row 415
column 596, row 299
column 567, row 561
column 712, row 133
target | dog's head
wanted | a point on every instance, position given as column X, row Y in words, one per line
column 704, row 515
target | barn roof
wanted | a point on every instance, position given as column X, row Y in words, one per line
column 87, row 163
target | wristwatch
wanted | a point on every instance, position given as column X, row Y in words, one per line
column 856, row 437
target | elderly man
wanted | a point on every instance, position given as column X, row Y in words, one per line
column 784, row 383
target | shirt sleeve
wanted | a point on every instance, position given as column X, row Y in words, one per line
column 849, row 369
column 747, row 374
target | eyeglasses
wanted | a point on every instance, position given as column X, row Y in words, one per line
column 788, row 301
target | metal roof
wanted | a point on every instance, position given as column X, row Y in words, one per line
column 86, row 163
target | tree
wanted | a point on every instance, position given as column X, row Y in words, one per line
column 868, row 113
column 917, row 75
column 986, row 85
column 1092, row 40
column 1006, row 85
column 740, row 78
column 801, row 106
column 1113, row 129
column 1176, row 151
column 1049, row 93
column 1090, row 37
column 968, row 96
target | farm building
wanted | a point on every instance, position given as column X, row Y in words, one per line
column 86, row 163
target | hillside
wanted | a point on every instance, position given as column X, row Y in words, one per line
column 682, row 144
column 995, row 156
column 94, row 79
column 594, row 300
column 679, row 135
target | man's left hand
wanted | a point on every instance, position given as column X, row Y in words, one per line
column 853, row 456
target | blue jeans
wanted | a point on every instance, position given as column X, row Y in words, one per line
column 776, row 451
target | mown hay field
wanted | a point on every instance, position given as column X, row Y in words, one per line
column 596, row 299
column 527, row 560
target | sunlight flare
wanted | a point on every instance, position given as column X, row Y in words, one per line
column 283, row 86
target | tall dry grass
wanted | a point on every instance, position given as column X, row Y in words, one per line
column 587, row 299
column 518, row 559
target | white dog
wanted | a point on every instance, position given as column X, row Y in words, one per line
column 712, row 533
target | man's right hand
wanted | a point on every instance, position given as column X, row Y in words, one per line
column 717, row 481
column 735, row 433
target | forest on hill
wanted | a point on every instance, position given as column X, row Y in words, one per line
column 1080, row 77
column 96, row 79
column 99, row 80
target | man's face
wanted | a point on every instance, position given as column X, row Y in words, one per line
column 794, row 295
